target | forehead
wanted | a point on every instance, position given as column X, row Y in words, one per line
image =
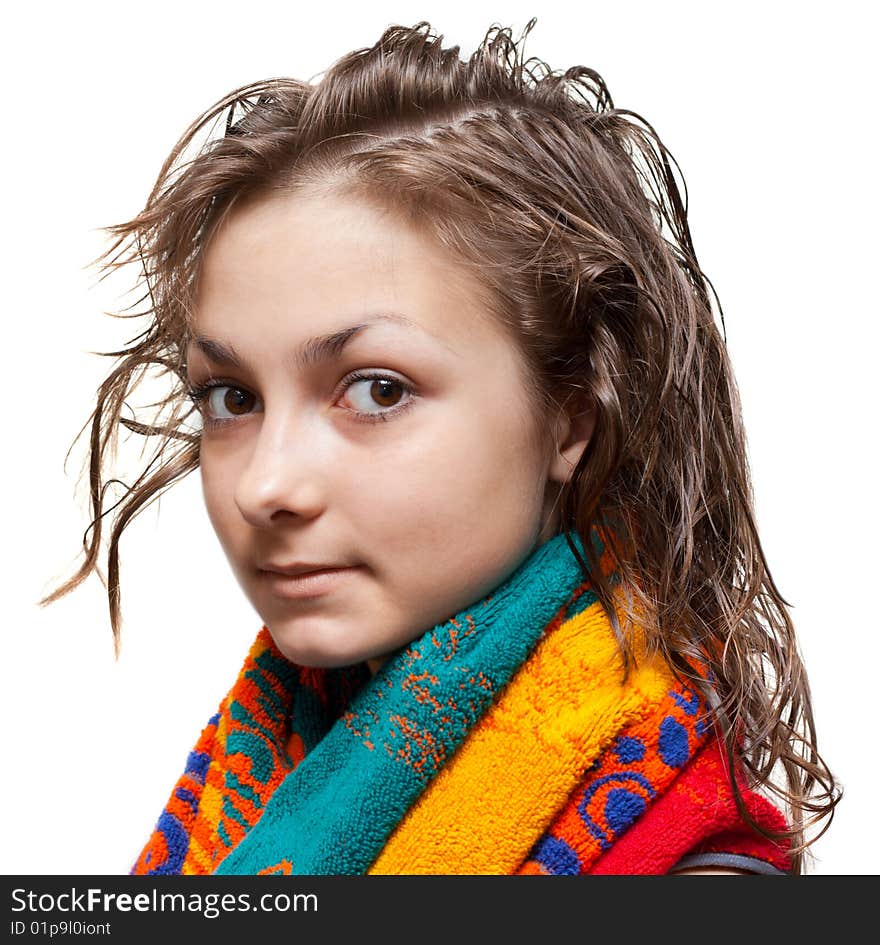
column 317, row 261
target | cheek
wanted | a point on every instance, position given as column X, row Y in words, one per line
column 218, row 492
column 459, row 524
column 473, row 477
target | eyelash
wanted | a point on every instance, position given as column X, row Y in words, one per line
column 200, row 392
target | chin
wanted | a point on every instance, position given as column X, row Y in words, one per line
column 316, row 647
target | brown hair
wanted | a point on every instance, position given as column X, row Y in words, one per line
column 569, row 211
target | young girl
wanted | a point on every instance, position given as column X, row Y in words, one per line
column 435, row 335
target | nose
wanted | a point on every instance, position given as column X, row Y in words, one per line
column 281, row 476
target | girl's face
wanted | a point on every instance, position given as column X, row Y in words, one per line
column 364, row 413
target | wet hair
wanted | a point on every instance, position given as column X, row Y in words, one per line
column 569, row 212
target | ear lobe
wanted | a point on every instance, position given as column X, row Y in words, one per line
column 573, row 433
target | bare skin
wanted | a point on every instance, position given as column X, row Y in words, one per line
column 429, row 508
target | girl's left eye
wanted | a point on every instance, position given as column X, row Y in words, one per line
column 377, row 396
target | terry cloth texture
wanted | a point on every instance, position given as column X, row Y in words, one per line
column 504, row 740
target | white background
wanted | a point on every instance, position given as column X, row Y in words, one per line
column 770, row 109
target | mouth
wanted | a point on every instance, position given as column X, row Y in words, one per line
column 305, row 583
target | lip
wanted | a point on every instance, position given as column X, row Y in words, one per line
column 299, row 567
column 294, row 583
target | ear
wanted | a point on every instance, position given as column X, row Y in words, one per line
column 574, row 428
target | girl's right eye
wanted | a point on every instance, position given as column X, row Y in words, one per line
column 221, row 403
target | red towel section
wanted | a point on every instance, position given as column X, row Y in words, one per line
column 697, row 814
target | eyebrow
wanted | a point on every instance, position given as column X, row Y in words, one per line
column 311, row 352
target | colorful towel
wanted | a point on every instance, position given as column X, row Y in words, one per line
column 504, row 740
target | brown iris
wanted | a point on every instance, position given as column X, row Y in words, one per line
column 383, row 392
column 238, row 401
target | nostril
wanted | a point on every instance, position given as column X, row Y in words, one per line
column 273, row 497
